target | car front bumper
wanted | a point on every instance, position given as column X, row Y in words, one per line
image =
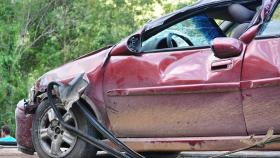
column 24, row 128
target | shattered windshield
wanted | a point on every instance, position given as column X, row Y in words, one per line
column 198, row 30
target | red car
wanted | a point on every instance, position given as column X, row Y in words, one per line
column 205, row 77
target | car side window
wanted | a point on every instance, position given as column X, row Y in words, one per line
column 198, row 30
column 271, row 28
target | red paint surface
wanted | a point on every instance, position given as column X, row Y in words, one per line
column 93, row 67
column 171, row 92
column 23, row 127
column 260, row 81
column 227, row 47
column 261, row 98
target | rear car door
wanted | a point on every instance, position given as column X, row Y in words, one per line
column 176, row 91
column 261, row 78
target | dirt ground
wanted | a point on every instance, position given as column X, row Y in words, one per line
column 14, row 153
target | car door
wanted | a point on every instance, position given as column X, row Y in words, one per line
column 175, row 92
column 261, row 78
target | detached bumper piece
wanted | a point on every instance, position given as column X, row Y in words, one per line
column 72, row 90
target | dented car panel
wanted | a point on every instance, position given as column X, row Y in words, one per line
column 152, row 100
column 262, row 97
column 260, row 84
column 88, row 65
column 163, row 89
column 92, row 66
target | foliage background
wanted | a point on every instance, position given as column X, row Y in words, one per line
column 39, row 35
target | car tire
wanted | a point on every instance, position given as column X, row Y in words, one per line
column 47, row 135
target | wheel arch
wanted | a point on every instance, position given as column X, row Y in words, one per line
column 86, row 100
column 94, row 109
column 90, row 105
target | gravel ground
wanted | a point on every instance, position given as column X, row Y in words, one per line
column 14, row 153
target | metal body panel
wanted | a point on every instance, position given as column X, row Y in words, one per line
column 260, row 79
column 261, row 71
column 177, row 115
column 92, row 66
column 193, row 144
column 167, row 94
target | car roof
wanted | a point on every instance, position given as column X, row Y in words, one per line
column 157, row 22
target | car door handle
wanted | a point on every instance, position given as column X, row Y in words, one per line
column 221, row 65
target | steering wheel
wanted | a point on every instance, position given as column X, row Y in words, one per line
column 170, row 40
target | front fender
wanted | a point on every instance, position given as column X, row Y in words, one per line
column 93, row 68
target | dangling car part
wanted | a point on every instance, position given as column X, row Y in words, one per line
column 70, row 94
column 253, row 143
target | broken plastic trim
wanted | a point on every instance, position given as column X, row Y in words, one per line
column 71, row 94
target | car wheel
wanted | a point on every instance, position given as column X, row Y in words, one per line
column 51, row 140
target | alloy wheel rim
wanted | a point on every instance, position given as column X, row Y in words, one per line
column 54, row 139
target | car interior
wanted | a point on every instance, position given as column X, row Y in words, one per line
column 230, row 21
column 236, row 18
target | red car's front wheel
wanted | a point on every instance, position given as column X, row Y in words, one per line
column 51, row 140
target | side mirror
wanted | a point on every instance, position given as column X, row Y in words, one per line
column 128, row 46
column 225, row 47
column 134, row 43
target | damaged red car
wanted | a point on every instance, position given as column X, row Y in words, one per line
column 202, row 78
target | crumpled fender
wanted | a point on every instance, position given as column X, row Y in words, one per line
column 65, row 73
column 93, row 69
column 71, row 93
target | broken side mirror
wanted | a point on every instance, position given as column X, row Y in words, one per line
column 134, row 43
column 225, row 47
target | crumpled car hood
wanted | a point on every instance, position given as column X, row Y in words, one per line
column 86, row 64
